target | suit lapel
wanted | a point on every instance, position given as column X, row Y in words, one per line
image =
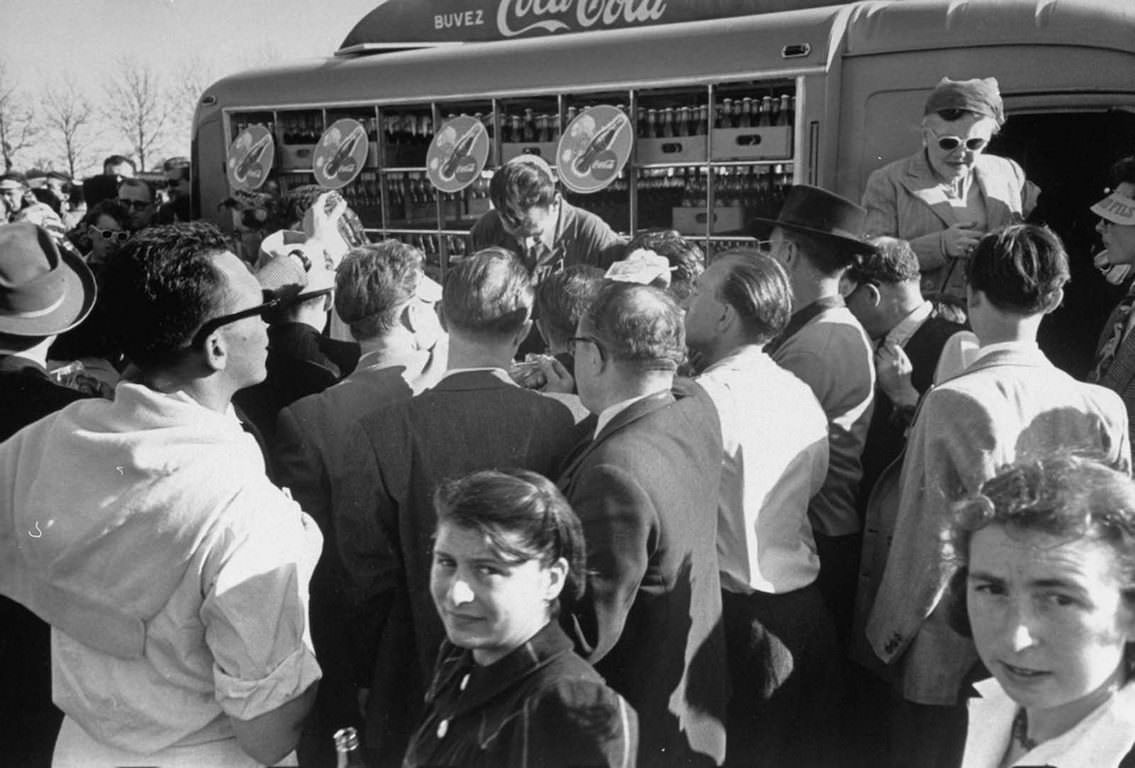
column 629, row 415
column 920, row 182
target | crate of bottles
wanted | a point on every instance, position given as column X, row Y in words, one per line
column 692, row 220
column 675, row 149
column 296, row 157
column 671, row 135
column 755, row 143
column 530, row 133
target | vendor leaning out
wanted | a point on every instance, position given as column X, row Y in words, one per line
column 947, row 195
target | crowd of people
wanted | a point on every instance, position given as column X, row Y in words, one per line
column 579, row 501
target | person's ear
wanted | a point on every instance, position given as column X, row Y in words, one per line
column 441, row 318
column 874, row 295
column 973, row 298
column 522, row 333
column 727, row 317
column 555, row 577
column 215, row 351
column 1054, row 300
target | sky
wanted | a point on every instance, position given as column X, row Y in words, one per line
column 42, row 41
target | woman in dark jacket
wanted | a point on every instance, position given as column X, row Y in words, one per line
column 508, row 690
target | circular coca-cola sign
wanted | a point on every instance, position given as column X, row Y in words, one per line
column 251, row 155
column 457, row 154
column 594, row 148
column 340, row 154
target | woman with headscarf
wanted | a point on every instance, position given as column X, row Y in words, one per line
column 944, row 197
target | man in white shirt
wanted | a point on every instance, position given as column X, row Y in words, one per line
column 782, row 650
column 145, row 531
column 1009, row 405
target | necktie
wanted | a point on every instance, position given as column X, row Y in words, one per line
column 1119, row 317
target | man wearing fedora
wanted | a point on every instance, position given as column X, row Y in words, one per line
column 817, row 237
column 43, row 292
column 145, row 531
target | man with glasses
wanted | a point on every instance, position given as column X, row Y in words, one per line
column 145, row 530
column 137, row 197
column 1114, row 364
column 475, row 417
column 943, row 198
column 531, row 218
column 645, row 489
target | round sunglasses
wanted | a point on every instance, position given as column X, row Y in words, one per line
column 950, row 143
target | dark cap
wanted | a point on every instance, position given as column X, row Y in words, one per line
column 980, row 96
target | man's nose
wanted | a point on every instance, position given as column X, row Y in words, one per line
column 460, row 592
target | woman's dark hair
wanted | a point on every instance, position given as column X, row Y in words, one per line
column 1063, row 495
column 521, row 514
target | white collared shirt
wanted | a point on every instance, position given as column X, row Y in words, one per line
column 611, row 411
column 775, row 440
column 1100, row 740
column 1006, row 346
column 909, row 325
column 500, row 373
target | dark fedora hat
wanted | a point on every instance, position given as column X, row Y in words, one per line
column 819, row 212
column 43, row 290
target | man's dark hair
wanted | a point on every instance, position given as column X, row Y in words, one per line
column 488, row 294
column 687, row 261
column 757, row 288
column 562, row 299
column 1122, row 171
column 140, row 183
column 160, row 288
column 827, row 254
column 637, row 324
column 895, row 262
column 522, row 184
column 1019, row 268
column 373, row 283
column 117, row 160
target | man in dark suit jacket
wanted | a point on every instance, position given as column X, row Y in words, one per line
column 43, row 292
column 908, row 332
column 646, row 491
column 476, row 417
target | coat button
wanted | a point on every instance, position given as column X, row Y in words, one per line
column 442, row 729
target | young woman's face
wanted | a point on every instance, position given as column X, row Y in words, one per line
column 105, row 237
column 1049, row 616
column 486, row 603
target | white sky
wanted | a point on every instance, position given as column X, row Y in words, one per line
column 43, row 40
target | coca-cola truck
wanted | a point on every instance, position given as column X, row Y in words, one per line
column 731, row 101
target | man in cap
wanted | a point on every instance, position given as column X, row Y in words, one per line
column 43, row 292
column 13, row 194
column 945, row 196
column 145, row 531
column 389, row 303
column 779, row 633
column 645, row 489
column 531, row 218
column 817, row 237
column 1010, row 404
column 1114, row 363
column 475, row 417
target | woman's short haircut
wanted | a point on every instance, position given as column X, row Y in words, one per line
column 1019, row 268
column 1064, row 496
column 521, row 514
column 638, row 324
column 374, row 283
column 562, row 299
column 522, row 183
column 488, row 294
column 160, row 287
column 757, row 288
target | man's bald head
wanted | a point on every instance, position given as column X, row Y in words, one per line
column 638, row 325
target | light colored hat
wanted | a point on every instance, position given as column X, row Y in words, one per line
column 641, row 266
column 1116, row 208
column 43, row 289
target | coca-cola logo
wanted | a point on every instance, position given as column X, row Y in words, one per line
column 515, row 17
column 605, row 164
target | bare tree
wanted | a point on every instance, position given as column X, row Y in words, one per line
column 17, row 119
column 189, row 81
column 68, row 116
column 138, row 107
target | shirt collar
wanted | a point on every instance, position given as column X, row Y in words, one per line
column 611, row 411
column 1005, row 346
column 500, row 373
column 909, row 325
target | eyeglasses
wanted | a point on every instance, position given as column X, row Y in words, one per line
column 588, row 339
column 271, row 303
column 136, row 205
column 112, row 235
column 950, row 143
